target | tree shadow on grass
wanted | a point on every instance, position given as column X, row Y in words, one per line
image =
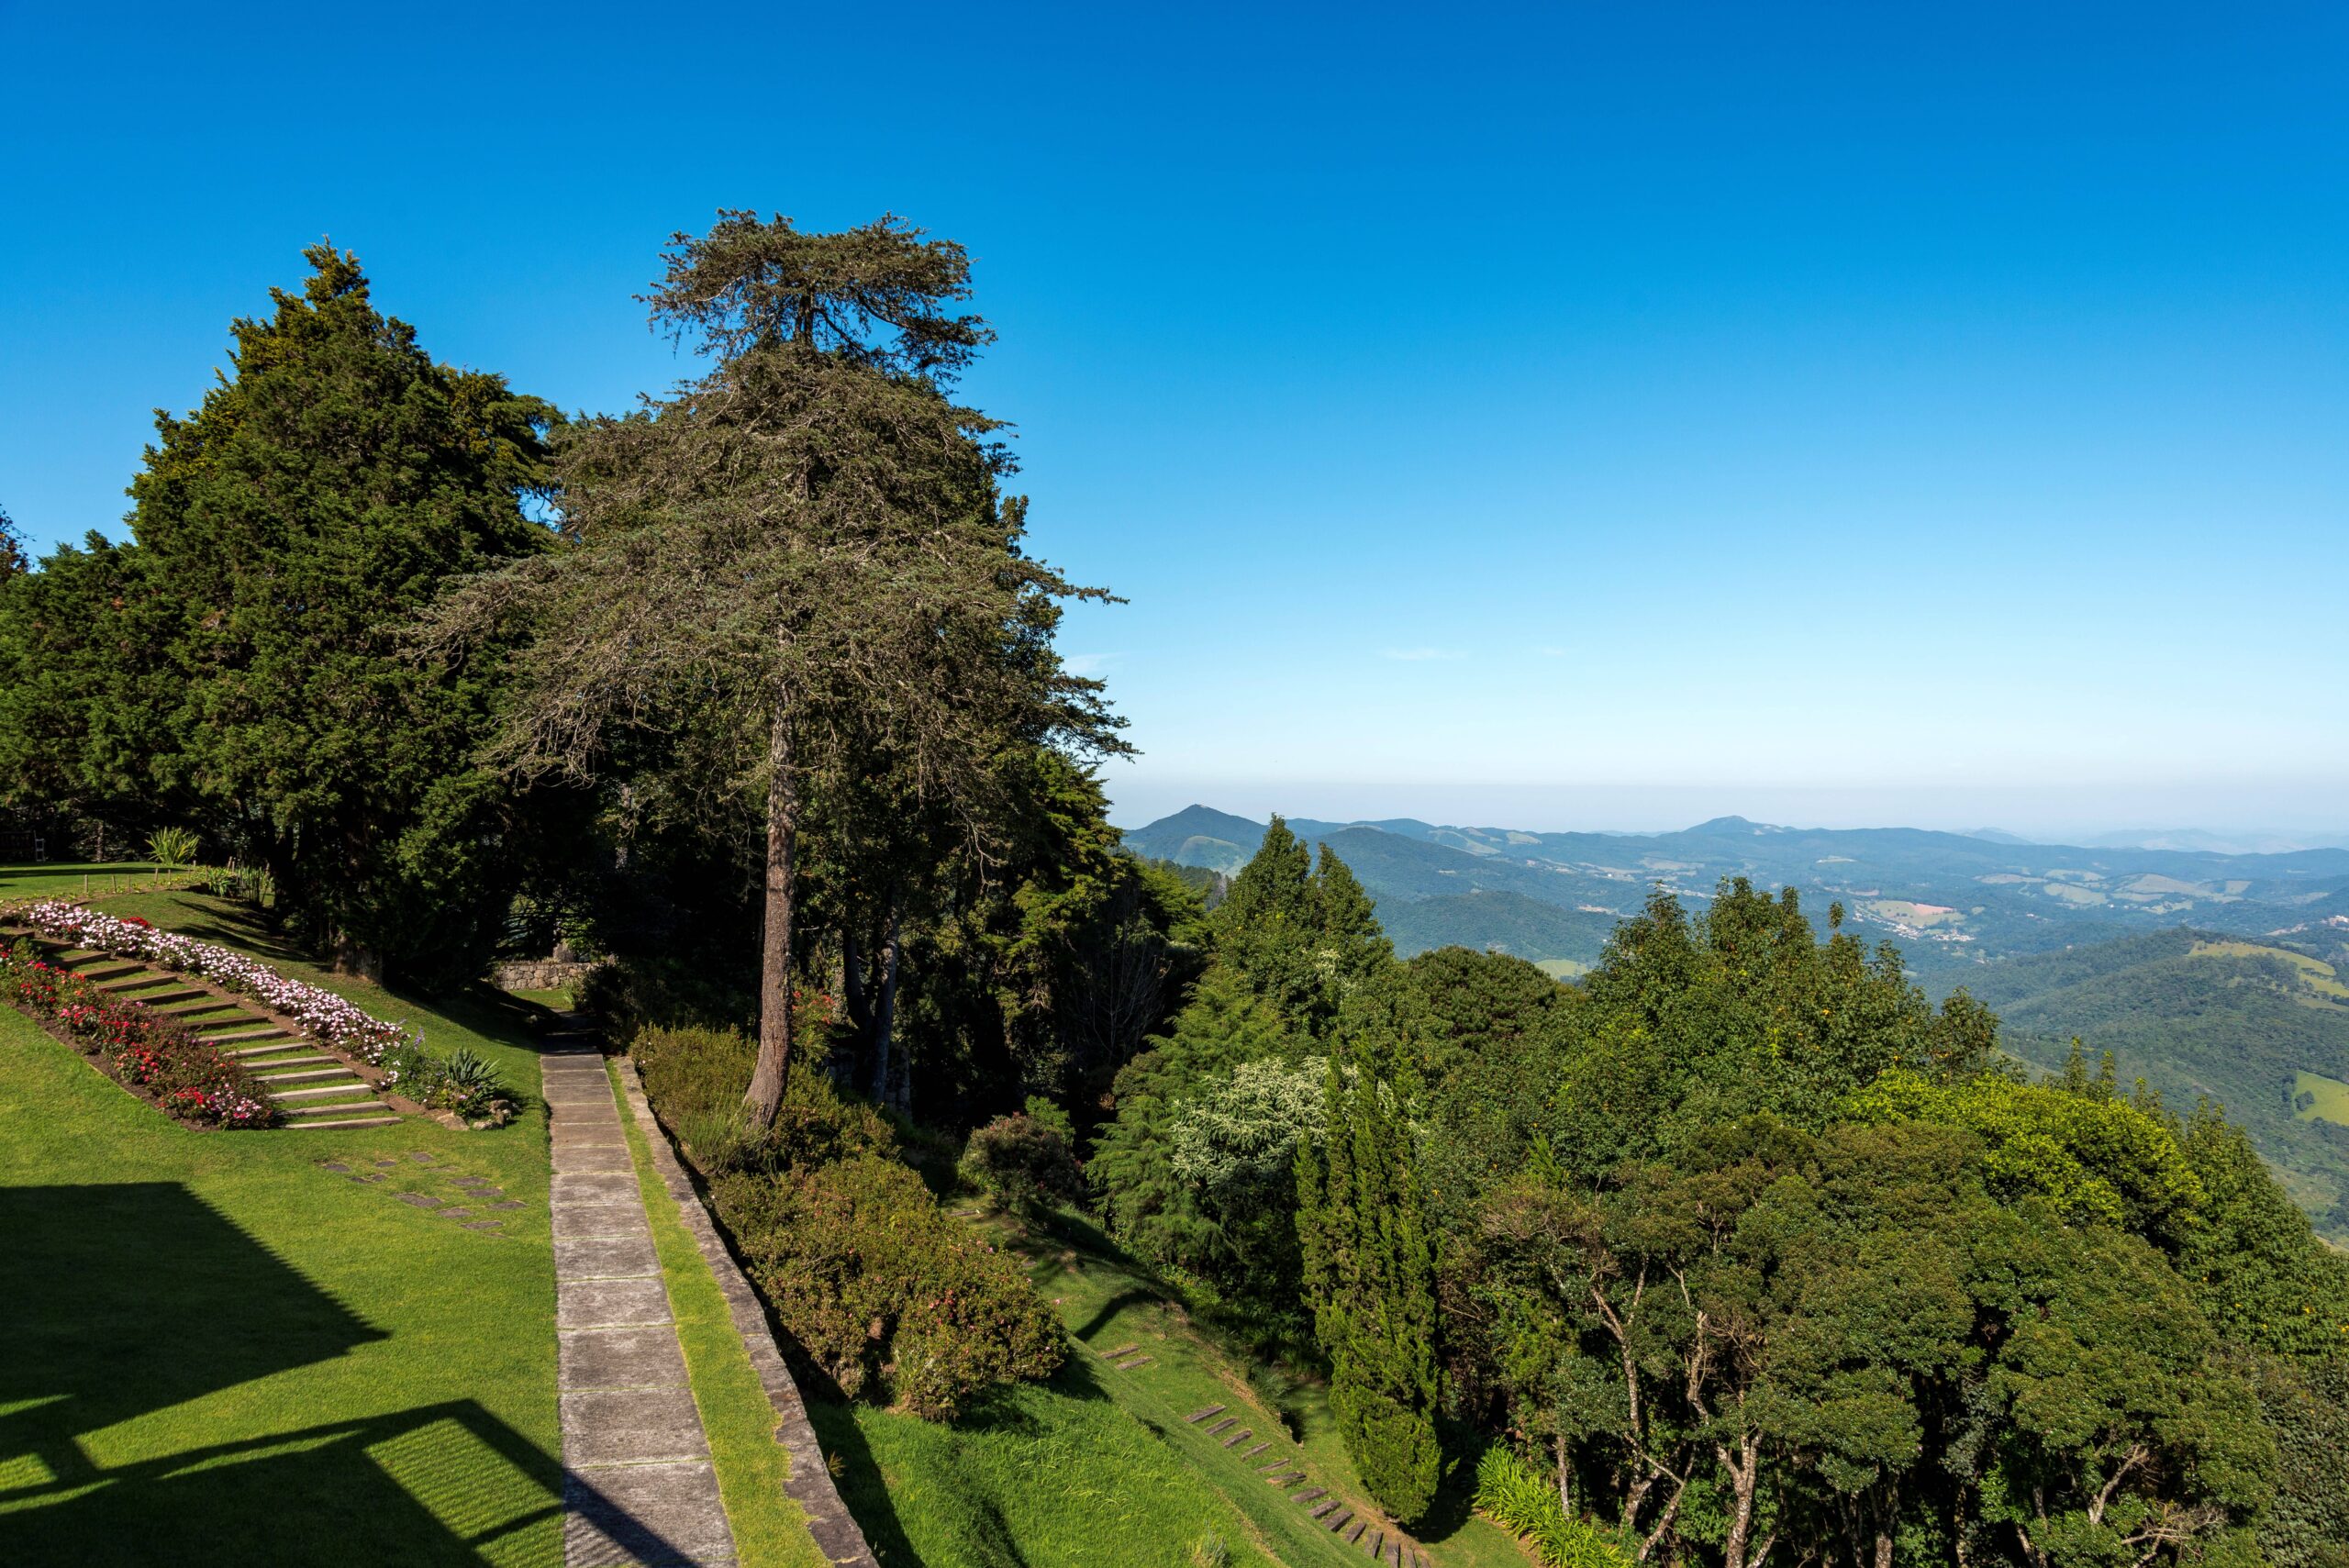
column 123, row 1301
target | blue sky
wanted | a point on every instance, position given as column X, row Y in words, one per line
column 1569, row 417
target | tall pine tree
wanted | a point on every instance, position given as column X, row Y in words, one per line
column 286, row 531
column 1370, row 1275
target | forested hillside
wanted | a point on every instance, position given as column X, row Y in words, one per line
column 2195, row 1014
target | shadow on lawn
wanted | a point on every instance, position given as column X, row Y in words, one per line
column 121, row 1301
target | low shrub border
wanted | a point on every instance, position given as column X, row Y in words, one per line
column 156, row 1058
column 885, row 1298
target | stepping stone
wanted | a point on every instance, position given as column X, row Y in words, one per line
column 606, row 1257
column 668, row 1514
column 459, row 1213
column 421, row 1200
column 1120, row 1353
column 1196, row 1416
column 1137, row 1362
column 610, row 1303
column 1338, row 1520
column 1395, row 1555
column 510, row 1203
column 334, row 1165
column 1355, row 1534
column 483, row 1225
column 1277, row 1464
column 469, row 1181
column 596, row 1188
column 1329, row 1507
column 1236, row 1439
column 1257, row 1450
column 1227, row 1422
column 630, row 1426
column 1371, row 1546
column 423, row 1159
column 1309, row 1494
column 1284, row 1480
column 618, row 1358
column 602, row 1219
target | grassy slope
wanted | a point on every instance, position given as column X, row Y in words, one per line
column 1100, row 1467
column 219, row 1351
column 769, row 1530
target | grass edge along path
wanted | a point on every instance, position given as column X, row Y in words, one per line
column 753, row 1469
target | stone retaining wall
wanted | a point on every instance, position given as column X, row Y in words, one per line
column 538, row 974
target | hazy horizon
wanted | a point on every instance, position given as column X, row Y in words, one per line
column 2035, row 815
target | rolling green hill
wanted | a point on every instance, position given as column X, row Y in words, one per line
column 2197, row 1013
column 1505, row 922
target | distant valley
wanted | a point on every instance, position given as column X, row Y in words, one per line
column 1951, row 901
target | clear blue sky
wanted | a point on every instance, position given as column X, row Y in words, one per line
column 1597, row 416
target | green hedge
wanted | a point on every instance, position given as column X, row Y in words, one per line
column 887, row 1296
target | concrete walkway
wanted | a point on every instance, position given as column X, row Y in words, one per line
column 637, row 1487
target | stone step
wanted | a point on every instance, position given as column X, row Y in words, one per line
column 186, row 993
column 1277, row 1464
column 1236, row 1439
column 102, row 973
column 1321, row 1510
column 1133, row 1364
column 1121, row 1354
column 313, row 1060
column 1309, row 1494
column 1287, row 1476
column 360, row 1121
column 1337, row 1521
column 306, row 1076
column 285, row 1042
column 125, row 987
column 203, row 1002
column 1219, row 1426
column 337, row 1107
column 1196, row 1416
column 329, row 1089
column 1257, row 1450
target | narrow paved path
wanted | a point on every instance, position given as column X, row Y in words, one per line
column 637, row 1487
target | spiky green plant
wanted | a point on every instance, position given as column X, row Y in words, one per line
column 172, row 846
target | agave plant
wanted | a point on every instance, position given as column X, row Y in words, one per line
column 172, row 846
column 468, row 1073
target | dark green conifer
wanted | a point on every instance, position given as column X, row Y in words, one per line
column 1370, row 1275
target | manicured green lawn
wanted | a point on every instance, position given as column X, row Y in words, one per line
column 215, row 1350
column 1100, row 1466
column 769, row 1530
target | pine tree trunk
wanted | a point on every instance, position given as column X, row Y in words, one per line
column 765, row 1095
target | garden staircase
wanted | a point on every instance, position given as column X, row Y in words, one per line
column 314, row 1089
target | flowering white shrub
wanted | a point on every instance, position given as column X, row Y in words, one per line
column 322, row 1014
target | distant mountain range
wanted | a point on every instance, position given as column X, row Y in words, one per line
column 1952, row 901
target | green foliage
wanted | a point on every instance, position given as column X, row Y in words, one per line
column 1303, row 940
column 1021, row 1164
column 889, row 1298
column 1149, row 1205
column 892, row 1300
column 2097, row 1158
column 463, row 1082
column 2306, row 1407
column 172, row 846
column 321, row 495
column 1511, row 1493
column 1369, row 1273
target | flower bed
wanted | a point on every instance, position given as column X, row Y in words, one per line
column 155, row 1056
column 322, row 1014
